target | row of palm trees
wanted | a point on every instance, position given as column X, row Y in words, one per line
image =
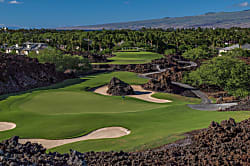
column 156, row 39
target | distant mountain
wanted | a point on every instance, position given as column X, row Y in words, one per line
column 210, row 20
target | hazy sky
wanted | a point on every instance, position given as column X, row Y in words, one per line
column 57, row 13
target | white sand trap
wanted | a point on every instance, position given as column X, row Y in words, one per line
column 109, row 132
column 141, row 94
column 4, row 126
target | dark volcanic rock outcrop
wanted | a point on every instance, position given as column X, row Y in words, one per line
column 227, row 143
column 117, row 87
column 20, row 73
column 243, row 105
column 175, row 74
column 163, row 84
column 137, row 68
column 163, row 63
column 14, row 154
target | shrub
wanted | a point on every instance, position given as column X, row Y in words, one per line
column 62, row 61
column 226, row 72
column 195, row 54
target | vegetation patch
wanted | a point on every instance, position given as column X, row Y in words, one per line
column 225, row 72
column 62, row 61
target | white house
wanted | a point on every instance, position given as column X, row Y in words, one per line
column 4, row 28
column 26, row 48
column 226, row 49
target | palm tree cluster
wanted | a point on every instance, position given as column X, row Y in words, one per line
column 106, row 41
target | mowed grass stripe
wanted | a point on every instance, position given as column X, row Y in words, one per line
column 83, row 102
column 133, row 57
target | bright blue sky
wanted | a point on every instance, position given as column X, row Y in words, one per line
column 57, row 13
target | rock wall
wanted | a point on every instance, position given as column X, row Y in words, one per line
column 20, row 73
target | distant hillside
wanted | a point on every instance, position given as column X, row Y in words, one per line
column 222, row 20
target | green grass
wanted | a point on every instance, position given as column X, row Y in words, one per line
column 130, row 50
column 213, row 99
column 133, row 57
column 71, row 111
column 79, row 103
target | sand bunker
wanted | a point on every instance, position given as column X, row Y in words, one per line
column 140, row 94
column 4, row 126
column 109, row 132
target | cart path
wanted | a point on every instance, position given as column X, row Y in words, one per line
column 206, row 104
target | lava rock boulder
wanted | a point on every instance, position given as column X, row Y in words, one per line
column 164, row 84
column 117, row 87
column 16, row 154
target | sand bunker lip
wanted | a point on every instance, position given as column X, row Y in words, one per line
column 141, row 93
column 4, row 126
column 109, row 132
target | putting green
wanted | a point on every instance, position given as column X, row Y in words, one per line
column 64, row 102
column 133, row 57
column 71, row 111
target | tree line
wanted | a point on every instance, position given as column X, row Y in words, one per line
column 63, row 62
column 176, row 41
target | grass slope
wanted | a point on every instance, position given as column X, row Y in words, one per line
column 71, row 112
column 133, row 58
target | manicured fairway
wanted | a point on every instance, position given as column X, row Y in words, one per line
column 71, row 111
column 56, row 103
column 134, row 57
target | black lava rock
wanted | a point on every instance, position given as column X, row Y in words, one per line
column 117, row 87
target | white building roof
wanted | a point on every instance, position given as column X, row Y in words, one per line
column 245, row 47
column 231, row 47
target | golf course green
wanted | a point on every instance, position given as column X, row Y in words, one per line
column 68, row 110
column 133, row 57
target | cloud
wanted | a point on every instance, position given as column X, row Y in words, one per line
column 243, row 4
column 1, row 1
column 14, row 2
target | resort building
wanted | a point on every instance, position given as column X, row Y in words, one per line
column 226, row 49
column 26, row 48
